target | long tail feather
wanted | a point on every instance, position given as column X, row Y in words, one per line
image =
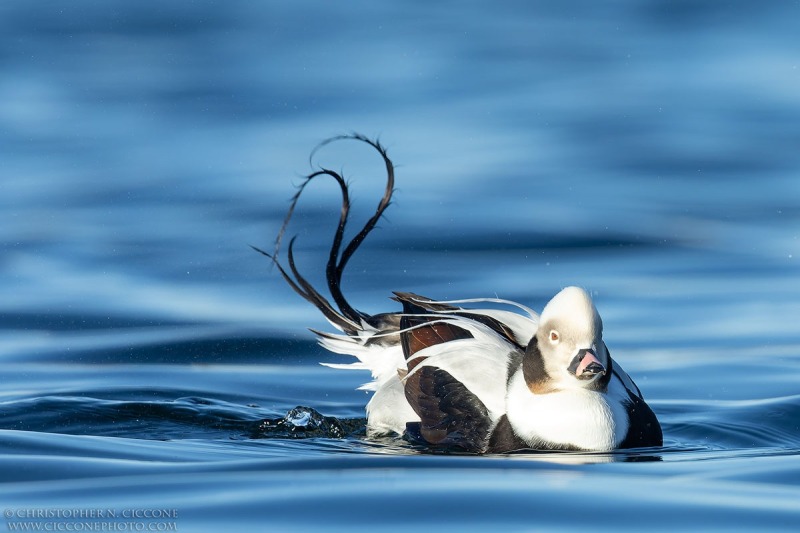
column 345, row 317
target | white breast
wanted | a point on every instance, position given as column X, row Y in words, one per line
column 578, row 418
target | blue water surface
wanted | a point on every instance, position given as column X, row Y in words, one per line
column 647, row 151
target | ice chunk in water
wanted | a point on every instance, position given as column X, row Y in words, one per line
column 301, row 422
column 303, row 417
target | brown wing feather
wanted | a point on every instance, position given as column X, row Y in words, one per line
column 416, row 304
column 424, row 336
column 418, row 331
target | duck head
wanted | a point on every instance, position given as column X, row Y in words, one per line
column 567, row 351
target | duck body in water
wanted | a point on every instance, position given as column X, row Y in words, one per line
column 489, row 379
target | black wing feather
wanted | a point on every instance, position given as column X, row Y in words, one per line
column 450, row 414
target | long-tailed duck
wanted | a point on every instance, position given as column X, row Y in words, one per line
column 487, row 380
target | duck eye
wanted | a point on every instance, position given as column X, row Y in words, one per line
column 554, row 336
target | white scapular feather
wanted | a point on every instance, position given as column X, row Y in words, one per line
column 480, row 363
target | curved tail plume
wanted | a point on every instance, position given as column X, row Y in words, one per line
column 343, row 316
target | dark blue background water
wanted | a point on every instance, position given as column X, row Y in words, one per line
column 648, row 151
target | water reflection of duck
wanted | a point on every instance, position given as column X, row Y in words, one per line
column 486, row 380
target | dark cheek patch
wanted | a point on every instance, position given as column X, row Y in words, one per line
column 533, row 370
